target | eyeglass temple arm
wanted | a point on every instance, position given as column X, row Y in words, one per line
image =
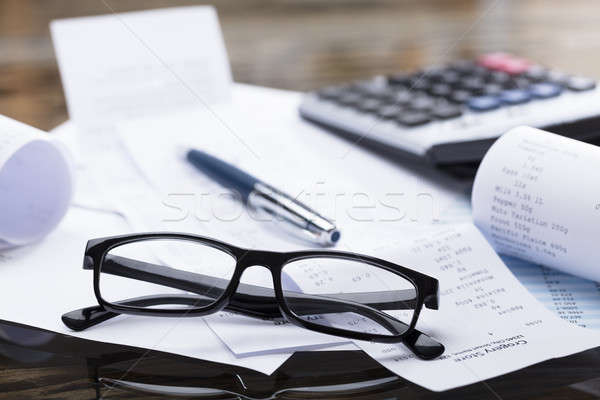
column 89, row 316
column 422, row 345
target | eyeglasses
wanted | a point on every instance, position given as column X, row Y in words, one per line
column 181, row 275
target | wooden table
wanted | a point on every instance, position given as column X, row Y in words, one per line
column 304, row 44
column 300, row 45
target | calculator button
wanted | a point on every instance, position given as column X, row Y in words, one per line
column 484, row 103
column 422, row 103
column 389, row 111
column 403, row 96
column 476, row 71
column 492, row 89
column 369, row 105
column 545, row 90
column 514, row 65
column 499, row 77
column 381, row 93
column 536, row 73
column 493, row 60
column 369, row 87
column 557, row 77
column 580, row 84
column 446, row 111
column 433, row 73
column 391, row 95
column 360, row 86
column 460, row 96
column 419, row 83
column 331, row 92
column 450, row 77
column 515, row 96
column 463, row 66
column 440, row 90
column 349, row 99
column 399, row 79
column 473, row 84
column 520, row 82
column 413, row 118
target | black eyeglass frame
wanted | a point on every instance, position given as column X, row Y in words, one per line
column 426, row 287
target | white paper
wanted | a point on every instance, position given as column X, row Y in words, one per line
column 357, row 189
column 536, row 196
column 35, row 183
column 488, row 322
column 87, row 192
column 43, row 281
column 368, row 204
column 120, row 66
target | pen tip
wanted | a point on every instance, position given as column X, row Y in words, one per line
column 183, row 151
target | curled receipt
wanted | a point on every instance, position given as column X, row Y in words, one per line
column 36, row 183
column 536, row 196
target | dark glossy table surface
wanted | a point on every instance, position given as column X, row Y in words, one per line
column 298, row 45
column 42, row 364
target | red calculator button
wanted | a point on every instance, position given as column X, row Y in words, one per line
column 493, row 60
column 515, row 66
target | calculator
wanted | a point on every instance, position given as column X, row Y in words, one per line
column 448, row 116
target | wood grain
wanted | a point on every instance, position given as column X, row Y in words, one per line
column 304, row 44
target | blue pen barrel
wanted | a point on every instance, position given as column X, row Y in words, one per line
column 224, row 173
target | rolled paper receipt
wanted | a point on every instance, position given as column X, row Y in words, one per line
column 536, row 196
column 36, row 183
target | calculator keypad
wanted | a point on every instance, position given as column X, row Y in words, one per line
column 440, row 93
column 434, row 113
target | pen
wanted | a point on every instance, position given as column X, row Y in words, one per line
column 260, row 196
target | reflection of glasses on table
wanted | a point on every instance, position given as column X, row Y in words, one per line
column 181, row 275
column 349, row 374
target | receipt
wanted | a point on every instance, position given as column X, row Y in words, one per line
column 488, row 322
column 35, row 182
column 121, row 66
column 536, row 197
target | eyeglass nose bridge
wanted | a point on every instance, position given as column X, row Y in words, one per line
column 258, row 299
column 270, row 261
column 262, row 258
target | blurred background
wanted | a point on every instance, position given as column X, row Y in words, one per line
column 305, row 44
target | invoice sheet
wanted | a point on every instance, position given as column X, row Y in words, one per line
column 40, row 282
column 536, row 197
column 489, row 323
